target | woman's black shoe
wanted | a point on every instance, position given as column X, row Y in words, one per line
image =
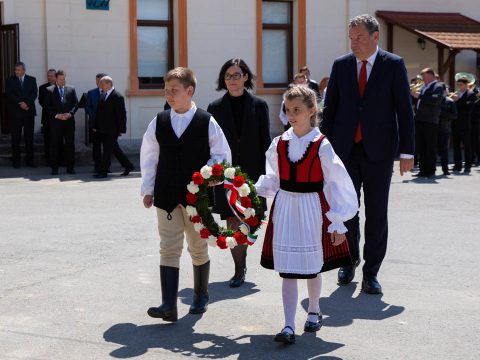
column 313, row 326
column 285, row 337
column 237, row 282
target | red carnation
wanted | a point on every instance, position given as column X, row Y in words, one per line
column 252, row 221
column 196, row 219
column 217, row 170
column 246, row 202
column 238, row 181
column 197, row 178
column 204, row 233
column 240, row 238
column 191, row 198
column 222, row 242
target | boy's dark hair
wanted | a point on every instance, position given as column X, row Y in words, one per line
column 245, row 70
column 60, row 72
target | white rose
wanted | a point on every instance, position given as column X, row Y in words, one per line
column 229, row 173
column 198, row 227
column 244, row 190
column 212, row 241
column 249, row 212
column 191, row 211
column 206, row 171
column 231, row 242
column 244, row 229
column 192, row 188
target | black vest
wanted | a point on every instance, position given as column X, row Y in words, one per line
column 179, row 158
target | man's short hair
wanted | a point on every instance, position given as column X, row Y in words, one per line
column 60, row 73
column 19, row 63
column 100, row 75
column 51, row 70
column 107, row 79
column 369, row 21
column 184, row 75
column 428, row 71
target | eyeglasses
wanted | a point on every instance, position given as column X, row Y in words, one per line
column 235, row 76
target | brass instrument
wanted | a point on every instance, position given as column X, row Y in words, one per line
column 416, row 86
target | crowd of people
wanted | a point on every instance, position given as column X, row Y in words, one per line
column 105, row 108
column 441, row 116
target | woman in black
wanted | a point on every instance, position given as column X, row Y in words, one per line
column 245, row 122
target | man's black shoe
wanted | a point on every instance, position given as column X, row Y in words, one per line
column 347, row 273
column 100, row 176
column 370, row 285
column 127, row 171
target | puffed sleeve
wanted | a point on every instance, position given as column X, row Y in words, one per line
column 338, row 189
column 219, row 149
column 268, row 184
column 149, row 154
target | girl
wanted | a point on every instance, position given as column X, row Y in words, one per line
column 314, row 195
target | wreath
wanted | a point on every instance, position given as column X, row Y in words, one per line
column 241, row 197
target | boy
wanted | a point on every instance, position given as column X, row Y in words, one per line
column 178, row 142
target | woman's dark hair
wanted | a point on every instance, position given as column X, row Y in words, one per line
column 245, row 70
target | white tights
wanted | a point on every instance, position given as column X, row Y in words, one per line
column 290, row 299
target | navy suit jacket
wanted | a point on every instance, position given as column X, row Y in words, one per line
column 385, row 110
column 17, row 93
column 54, row 104
column 93, row 97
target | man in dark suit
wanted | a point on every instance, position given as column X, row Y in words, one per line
column 476, row 127
column 312, row 84
column 21, row 91
column 462, row 127
column 368, row 118
column 61, row 104
column 42, row 91
column 93, row 97
column 448, row 114
column 110, row 122
column 428, row 107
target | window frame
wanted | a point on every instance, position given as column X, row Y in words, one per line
column 289, row 28
column 168, row 24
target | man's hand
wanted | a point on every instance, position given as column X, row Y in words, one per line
column 23, row 105
column 94, row 130
column 148, row 201
column 406, row 165
column 337, row 238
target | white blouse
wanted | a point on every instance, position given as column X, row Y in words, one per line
column 150, row 150
column 337, row 185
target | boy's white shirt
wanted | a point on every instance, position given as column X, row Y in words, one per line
column 150, row 150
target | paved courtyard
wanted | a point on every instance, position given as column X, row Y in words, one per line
column 79, row 268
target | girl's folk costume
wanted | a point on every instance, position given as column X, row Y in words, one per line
column 314, row 196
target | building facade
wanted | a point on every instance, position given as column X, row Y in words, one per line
column 137, row 41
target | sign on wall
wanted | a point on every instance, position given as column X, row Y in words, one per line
column 98, row 4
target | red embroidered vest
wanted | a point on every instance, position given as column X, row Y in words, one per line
column 304, row 175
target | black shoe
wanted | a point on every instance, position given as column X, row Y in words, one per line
column 54, row 171
column 71, row 171
column 466, row 171
column 419, row 174
column 100, row 176
column 169, row 283
column 285, row 337
column 347, row 273
column 313, row 326
column 446, row 172
column 456, row 169
column 370, row 285
column 127, row 171
column 200, row 288
column 239, row 255
column 237, row 282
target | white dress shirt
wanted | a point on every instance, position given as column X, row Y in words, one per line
column 370, row 62
column 108, row 93
column 150, row 150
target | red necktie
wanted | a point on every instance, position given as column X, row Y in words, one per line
column 362, row 83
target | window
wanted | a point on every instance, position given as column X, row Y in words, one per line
column 277, row 39
column 154, row 42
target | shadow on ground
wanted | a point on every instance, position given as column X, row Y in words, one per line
column 341, row 308
column 181, row 338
